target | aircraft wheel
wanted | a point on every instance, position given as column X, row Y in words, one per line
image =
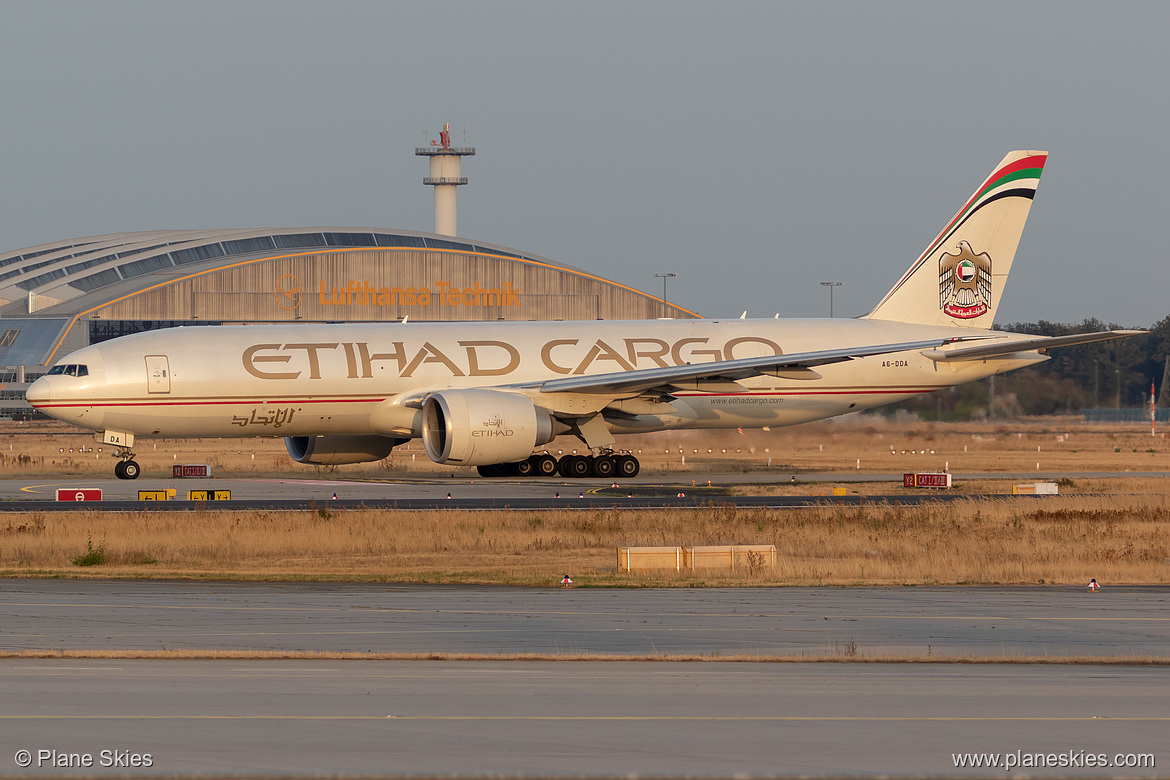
column 488, row 471
column 628, row 466
column 119, row 469
column 580, row 466
column 130, row 470
column 546, row 465
column 604, row 466
column 563, row 465
column 525, row 468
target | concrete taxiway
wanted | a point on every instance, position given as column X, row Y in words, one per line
column 467, row 493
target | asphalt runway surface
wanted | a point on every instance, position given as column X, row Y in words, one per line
column 48, row 614
column 467, row 493
column 564, row 719
column 572, row 719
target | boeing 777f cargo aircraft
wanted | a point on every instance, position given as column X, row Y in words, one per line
column 492, row 394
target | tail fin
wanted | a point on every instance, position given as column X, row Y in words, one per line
column 970, row 259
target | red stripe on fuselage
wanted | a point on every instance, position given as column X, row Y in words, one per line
column 269, row 402
column 283, row 402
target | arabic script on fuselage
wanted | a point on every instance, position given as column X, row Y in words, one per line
column 273, row 417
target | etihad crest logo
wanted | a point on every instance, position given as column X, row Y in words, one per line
column 964, row 283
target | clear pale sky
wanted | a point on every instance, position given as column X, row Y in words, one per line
column 753, row 148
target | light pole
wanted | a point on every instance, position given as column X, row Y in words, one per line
column 831, row 285
column 664, row 277
column 1096, row 379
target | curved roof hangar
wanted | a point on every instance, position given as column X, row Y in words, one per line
column 324, row 274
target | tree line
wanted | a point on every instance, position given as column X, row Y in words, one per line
column 1102, row 374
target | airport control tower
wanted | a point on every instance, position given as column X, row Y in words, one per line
column 444, row 177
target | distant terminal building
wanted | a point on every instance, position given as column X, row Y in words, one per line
column 59, row 297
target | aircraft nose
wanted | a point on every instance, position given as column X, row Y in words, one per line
column 38, row 391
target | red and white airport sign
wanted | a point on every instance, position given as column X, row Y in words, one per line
column 79, row 494
column 926, row 480
column 191, row 470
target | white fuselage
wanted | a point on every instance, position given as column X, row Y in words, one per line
column 308, row 380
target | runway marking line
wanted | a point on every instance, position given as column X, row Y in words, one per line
column 620, row 718
column 766, row 718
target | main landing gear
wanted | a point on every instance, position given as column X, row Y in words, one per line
column 126, row 468
column 605, row 466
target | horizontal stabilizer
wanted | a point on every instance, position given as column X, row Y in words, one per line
column 1029, row 345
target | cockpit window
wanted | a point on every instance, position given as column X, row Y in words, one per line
column 71, row 369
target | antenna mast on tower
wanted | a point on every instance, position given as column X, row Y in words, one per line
column 445, row 163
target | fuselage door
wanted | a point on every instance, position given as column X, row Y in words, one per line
column 158, row 374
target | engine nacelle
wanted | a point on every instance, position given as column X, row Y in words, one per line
column 482, row 427
column 338, row 450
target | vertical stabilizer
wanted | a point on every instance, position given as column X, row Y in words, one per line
column 960, row 277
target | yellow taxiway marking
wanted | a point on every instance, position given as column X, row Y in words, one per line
column 54, row 485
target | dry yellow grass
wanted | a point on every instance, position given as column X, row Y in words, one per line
column 1064, row 539
column 1058, row 540
column 53, row 449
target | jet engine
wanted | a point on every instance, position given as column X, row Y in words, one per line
column 338, row 450
column 482, row 427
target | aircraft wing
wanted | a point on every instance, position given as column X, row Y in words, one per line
column 1000, row 348
column 795, row 366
